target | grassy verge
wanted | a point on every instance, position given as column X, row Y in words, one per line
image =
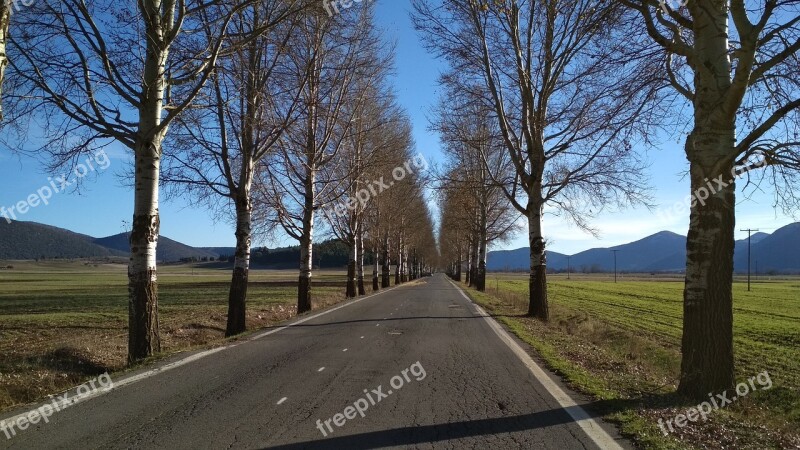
column 620, row 343
column 62, row 323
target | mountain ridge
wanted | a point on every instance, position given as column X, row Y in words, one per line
column 664, row 251
column 31, row 240
column 35, row 241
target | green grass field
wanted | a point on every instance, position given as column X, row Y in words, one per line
column 621, row 341
column 63, row 322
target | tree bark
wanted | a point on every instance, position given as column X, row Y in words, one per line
column 707, row 344
column 473, row 276
column 387, row 261
column 360, row 263
column 458, row 265
column 143, row 333
column 5, row 20
column 538, row 306
column 306, row 246
column 399, row 267
column 480, row 282
column 375, row 279
column 404, row 265
column 351, row 269
column 468, row 275
column 707, row 363
column 304, row 282
column 237, row 297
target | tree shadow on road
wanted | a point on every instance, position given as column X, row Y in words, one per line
column 422, row 434
column 388, row 319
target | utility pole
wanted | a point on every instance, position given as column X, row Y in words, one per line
column 615, row 265
column 749, row 232
column 568, row 266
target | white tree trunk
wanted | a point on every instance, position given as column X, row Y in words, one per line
column 538, row 305
column 306, row 246
column 352, row 261
column 398, row 271
column 360, row 263
column 237, row 296
column 387, row 262
column 143, row 337
column 376, row 256
column 480, row 282
column 5, row 19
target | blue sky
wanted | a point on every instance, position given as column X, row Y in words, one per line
column 103, row 203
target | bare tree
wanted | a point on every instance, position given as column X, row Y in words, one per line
column 331, row 53
column 421, row 239
column 736, row 63
column 217, row 145
column 102, row 71
column 365, row 164
column 454, row 228
column 383, row 212
column 475, row 160
column 414, row 230
column 565, row 94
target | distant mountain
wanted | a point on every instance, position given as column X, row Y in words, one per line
column 30, row 240
column 776, row 252
column 520, row 258
column 167, row 250
column 637, row 256
column 508, row 259
column 665, row 252
column 676, row 262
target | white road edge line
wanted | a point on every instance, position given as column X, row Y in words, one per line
column 116, row 384
column 589, row 425
column 181, row 362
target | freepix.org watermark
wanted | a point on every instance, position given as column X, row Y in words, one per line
column 333, row 6
column 416, row 164
column 98, row 162
column 17, row 5
column 10, row 427
column 703, row 193
column 673, row 4
column 715, row 402
column 371, row 398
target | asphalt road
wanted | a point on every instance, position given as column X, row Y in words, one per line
column 414, row 367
